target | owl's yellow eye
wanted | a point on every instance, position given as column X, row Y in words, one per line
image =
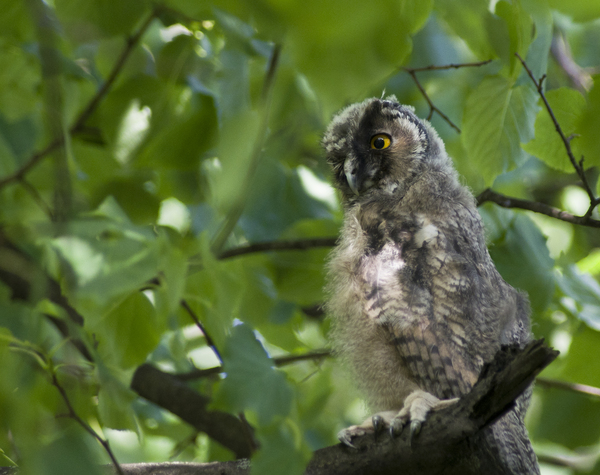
column 380, row 141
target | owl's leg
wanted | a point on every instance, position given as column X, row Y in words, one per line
column 416, row 407
column 374, row 424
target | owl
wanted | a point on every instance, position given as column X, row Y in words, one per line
column 416, row 303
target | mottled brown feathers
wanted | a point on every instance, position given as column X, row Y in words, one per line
column 416, row 302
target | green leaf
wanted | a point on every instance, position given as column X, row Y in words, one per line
column 365, row 43
column 105, row 259
column 567, row 105
column 19, row 81
column 498, row 118
column 15, row 21
column 172, row 281
column 132, row 195
column 215, row 293
column 129, row 332
column 537, row 55
column 19, row 137
column 520, row 254
column 94, row 18
column 579, row 422
column 589, row 126
column 279, row 452
column 249, row 372
column 159, row 96
column 584, row 292
column 578, row 367
column 181, row 144
column 114, row 401
column 239, row 138
column 579, row 10
column 68, row 454
column 518, row 31
column 469, row 20
column 278, row 199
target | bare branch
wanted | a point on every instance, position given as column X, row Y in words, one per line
column 432, row 107
column 79, row 123
column 292, row 245
column 73, row 415
column 175, row 396
column 279, row 361
column 445, row 443
column 535, row 206
column 130, row 44
column 209, row 341
column 574, row 387
column 433, row 67
column 578, row 166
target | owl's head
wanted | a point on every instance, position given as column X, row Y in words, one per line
column 380, row 145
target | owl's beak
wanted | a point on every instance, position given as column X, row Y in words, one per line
column 352, row 174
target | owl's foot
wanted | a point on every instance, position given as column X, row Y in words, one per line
column 375, row 424
column 416, row 407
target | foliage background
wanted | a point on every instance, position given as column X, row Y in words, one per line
column 141, row 141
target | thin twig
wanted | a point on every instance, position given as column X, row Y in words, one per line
column 209, row 341
column 37, row 197
column 292, row 245
column 578, row 166
column 237, row 208
column 79, row 123
column 433, row 67
column 574, row 387
column 82, row 423
column 432, row 106
column 536, row 207
column 278, row 362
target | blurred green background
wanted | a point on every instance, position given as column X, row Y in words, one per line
column 142, row 141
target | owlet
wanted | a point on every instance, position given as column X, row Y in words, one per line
column 417, row 305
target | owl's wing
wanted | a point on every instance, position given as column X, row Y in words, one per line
column 425, row 289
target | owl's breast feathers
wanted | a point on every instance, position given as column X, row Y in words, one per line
column 428, row 281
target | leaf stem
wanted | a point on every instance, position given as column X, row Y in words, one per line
column 578, row 166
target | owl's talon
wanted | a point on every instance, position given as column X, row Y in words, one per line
column 378, row 424
column 396, row 426
column 415, row 428
column 345, row 438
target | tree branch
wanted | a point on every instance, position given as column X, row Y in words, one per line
column 175, row 396
column 574, row 387
column 209, row 341
column 73, row 415
column 442, row 447
column 578, row 166
column 79, row 123
column 535, row 206
column 279, row 361
column 291, row 245
column 432, row 107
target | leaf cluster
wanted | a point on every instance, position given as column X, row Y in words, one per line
column 164, row 201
